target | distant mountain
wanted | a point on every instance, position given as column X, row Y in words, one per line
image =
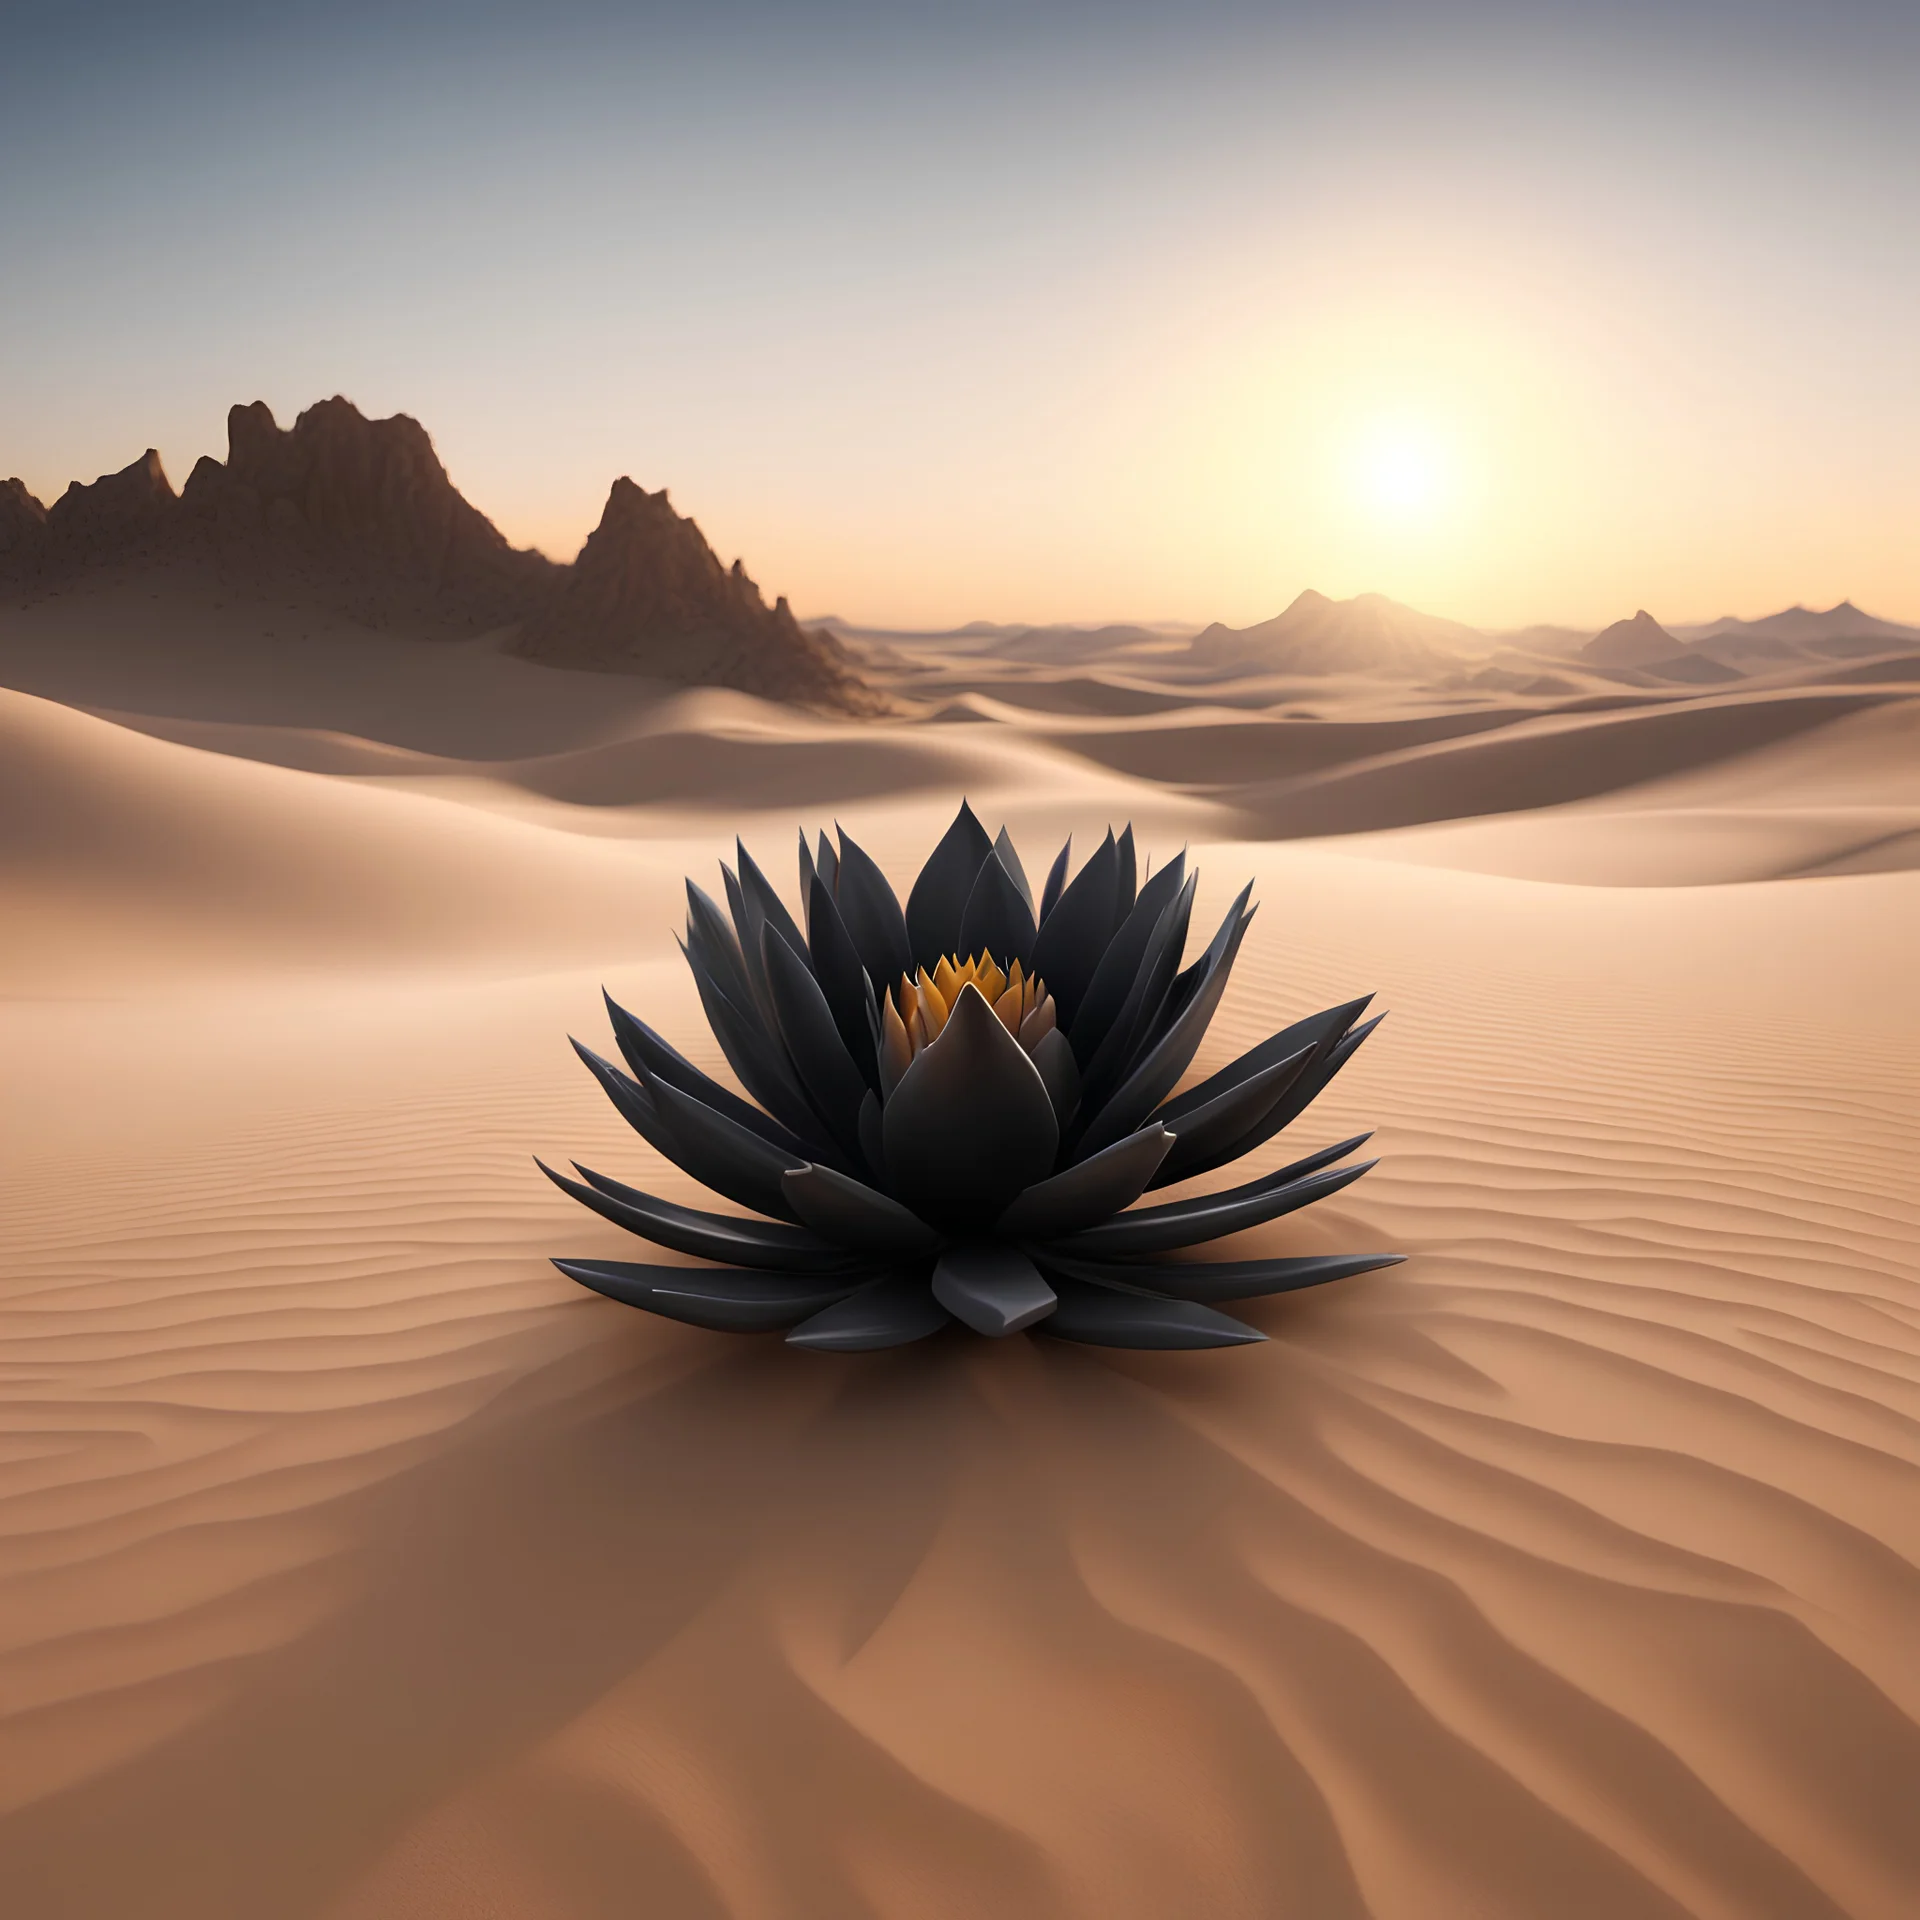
column 23, row 525
column 1800, row 626
column 648, row 595
column 359, row 517
column 338, row 511
column 1639, row 642
column 360, row 514
column 1368, row 633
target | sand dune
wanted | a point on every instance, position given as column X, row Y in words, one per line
column 355, row 1566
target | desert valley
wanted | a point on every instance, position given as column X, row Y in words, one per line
column 354, row 1563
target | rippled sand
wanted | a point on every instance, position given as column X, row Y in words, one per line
column 356, row 1564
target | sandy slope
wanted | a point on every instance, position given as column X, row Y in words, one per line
column 353, row 1564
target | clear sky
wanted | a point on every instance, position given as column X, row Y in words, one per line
column 939, row 312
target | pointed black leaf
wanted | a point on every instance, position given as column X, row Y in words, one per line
column 747, row 939
column 1053, row 1061
column 761, row 1062
column 1103, row 1317
column 1210, row 1135
column 722, row 1155
column 1009, row 858
column 1056, row 881
column 853, row 1215
column 970, row 1124
column 836, row 965
column 723, row 1299
column 706, row 1236
column 1219, row 1279
column 827, row 864
column 648, row 1054
column 884, row 1313
column 1188, row 1224
column 717, row 1152
column 1154, row 1078
column 711, row 936
column 1306, row 1089
column 766, row 906
column 1120, row 966
column 996, row 920
column 1092, row 1191
column 872, row 915
column 1126, row 888
column 1075, row 934
column 939, row 896
column 834, row 1085
column 873, row 1138
column 1319, row 1030
column 1152, row 1004
column 807, row 872
column 995, row 1289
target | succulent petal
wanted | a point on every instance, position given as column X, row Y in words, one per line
column 871, row 910
column 764, row 1244
column 1211, row 1133
column 1103, row 1316
column 1091, row 1191
column 939, row 896
column 1008, row 856
column 725, row 1299
column 993, row 1287
column 843, row 980
column 1153, row 1079
column 1121, row 965
column 1053, row 1061
column 1072, row 938
column 970, row 1123
column 833, row 1084
column 853, row 1215
column 1188, row 1222
column 651, row 1056
column 889, row 1312
column 718, row 1152
column 997, row 919
column 1218, row 1279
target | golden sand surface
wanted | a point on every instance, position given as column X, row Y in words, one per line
column 354, row 1565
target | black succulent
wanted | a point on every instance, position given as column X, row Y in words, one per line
column 954, row 1107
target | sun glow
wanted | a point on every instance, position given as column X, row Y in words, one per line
column 1403, row 473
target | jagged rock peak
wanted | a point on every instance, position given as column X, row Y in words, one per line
column 122, row 516
column 649, row 595
column 23, row 520
column 363, row 509
column 1632, row 643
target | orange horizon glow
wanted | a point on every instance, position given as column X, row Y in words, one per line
column 1512, row 325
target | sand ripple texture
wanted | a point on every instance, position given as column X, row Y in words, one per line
column 356, row 1565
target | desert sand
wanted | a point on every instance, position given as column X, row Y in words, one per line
column 354, row 1564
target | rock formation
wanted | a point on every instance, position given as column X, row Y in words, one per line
column 648, row 595
column 23, row 528
column 358, row 517
column 1639, row 642
column 1367, row 634
column 121, row 519
column 360, row 514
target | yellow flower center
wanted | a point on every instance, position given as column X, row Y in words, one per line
column 917, row 1009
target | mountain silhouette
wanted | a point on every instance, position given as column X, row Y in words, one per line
column 358, row 517
column 1316, row 635
column 1638, row 642
column 649, row 595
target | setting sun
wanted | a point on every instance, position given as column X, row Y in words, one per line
column 1404, row 473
